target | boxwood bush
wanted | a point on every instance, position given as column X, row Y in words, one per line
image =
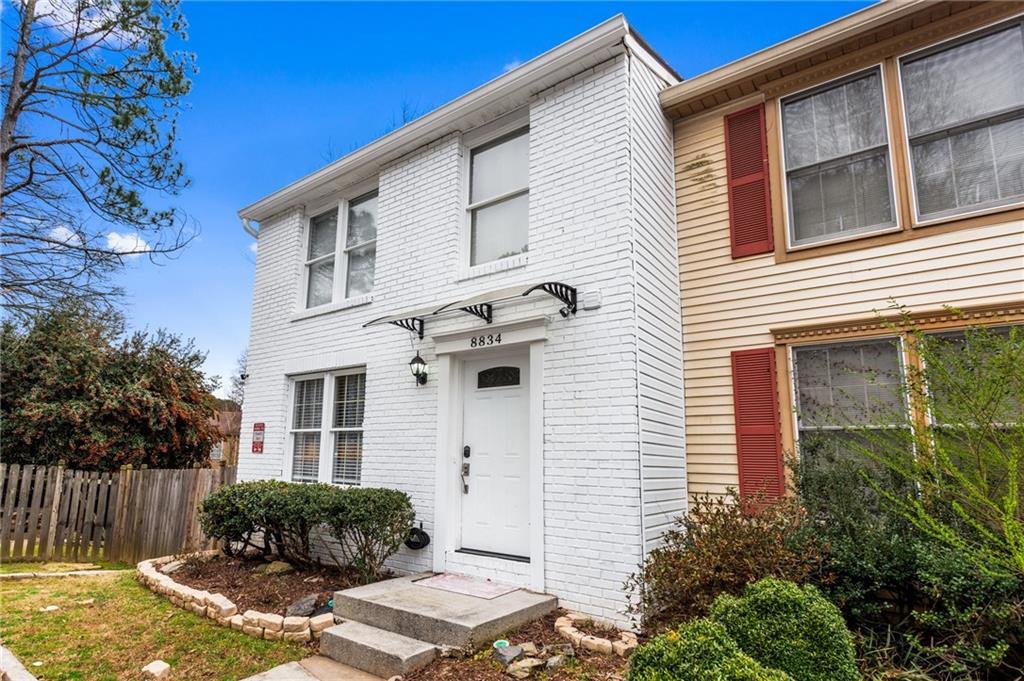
column 277, row 517
column 789, row 627
column 700, row 650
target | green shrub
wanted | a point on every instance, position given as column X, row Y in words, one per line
column 371, row 524
column 699, row 651
column 789, row 627
column 277, row 517
column 722, row 545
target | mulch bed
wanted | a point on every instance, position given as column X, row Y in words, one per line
column 483, row 667
column 237, row 579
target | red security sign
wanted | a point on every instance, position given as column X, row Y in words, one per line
column 258, row 429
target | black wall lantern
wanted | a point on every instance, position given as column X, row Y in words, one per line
column 418, row 367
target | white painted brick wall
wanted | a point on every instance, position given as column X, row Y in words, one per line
column 579, row 233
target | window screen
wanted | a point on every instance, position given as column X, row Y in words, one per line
column 838, row 177
column 347, row 428
column 361, row 245
column 307, row 416
column 965, row 119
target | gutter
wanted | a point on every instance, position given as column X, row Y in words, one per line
column 449, row 117
column 789, row 50
column 249, row 229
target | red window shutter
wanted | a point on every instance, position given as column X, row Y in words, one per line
column 758, row 439
column 746, row 165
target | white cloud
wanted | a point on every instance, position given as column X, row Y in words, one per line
column 130, row 244
column 515, row 63
column 65, row 236
column 254, row 247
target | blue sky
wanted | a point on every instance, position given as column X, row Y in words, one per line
column 284, row 88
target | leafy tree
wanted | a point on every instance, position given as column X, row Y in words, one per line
column 962, row 449
column 77, row 388
column 87, row 143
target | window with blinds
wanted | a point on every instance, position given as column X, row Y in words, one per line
column 330, row 432
column 307, row 417
column 842, row 389
column 838, row 166
column 347, row 428
column 964, row 104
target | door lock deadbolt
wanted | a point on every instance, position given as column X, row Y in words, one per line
column 465, row 452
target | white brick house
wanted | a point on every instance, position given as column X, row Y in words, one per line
column 558, row 171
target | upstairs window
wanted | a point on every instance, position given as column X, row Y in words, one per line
column 838, row 167
column 499, row 186
column 964, row 105
column 330, row 277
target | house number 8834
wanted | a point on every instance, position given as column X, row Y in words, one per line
column 483, row 341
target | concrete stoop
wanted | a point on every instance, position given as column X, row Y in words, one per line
column 397, row 626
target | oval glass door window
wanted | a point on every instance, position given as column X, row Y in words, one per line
column 497, row 377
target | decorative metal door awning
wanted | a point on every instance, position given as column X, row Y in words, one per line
column 481, row 306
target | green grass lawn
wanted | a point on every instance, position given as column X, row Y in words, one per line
column 9, row 568
column 126, row 627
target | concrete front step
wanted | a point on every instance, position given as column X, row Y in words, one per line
column 374, row 650
column 439, row 617
column 316, row 668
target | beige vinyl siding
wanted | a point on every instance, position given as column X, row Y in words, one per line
column 731, row 305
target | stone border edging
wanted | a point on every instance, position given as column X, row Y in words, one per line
column 623, row 647
column 11, row 669
column 72, row 573
column 220, row 609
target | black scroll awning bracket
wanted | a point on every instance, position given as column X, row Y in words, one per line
column 562, row 292
column 484, row 311
column 413, row 324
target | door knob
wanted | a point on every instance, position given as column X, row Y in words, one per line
column 465, row 478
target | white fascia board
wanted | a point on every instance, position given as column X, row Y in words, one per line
column 366, row 161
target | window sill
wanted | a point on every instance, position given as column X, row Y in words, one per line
column 333, row 307
column 503, row 265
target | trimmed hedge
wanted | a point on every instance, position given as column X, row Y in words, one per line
column 791, row 628
column 278, row 517
column 700, row 650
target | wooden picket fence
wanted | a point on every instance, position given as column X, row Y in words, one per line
column 50, row 513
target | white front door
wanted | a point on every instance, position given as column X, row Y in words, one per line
column 496, row 445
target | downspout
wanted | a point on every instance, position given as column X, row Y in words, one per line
column 249, row 229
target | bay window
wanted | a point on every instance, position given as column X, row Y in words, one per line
column 838, row 172
column 348, row 229
column 964, row 107
column 327, row 435
column 499, row 198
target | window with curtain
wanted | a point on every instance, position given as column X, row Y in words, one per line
column 838, row 167
column 360, row 245
column 964, row 105
column 307, row 417
column 347, row 428
column 843, row 387
column 499, row 186
column 323, row 232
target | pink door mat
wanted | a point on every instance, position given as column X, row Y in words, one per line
column 470, row 586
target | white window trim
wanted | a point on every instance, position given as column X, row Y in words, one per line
column 325, row 470
column 485, row 134
column 339, row 298
column 893, row 193
column 937, row 46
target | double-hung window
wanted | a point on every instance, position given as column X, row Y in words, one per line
column 327, row 435
column 964, row 104
column 499, row 202
column 330, row 277
column 838, row 167
column 844, row 387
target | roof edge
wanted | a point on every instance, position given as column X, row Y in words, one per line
column 423, row 129
column 789, row 50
